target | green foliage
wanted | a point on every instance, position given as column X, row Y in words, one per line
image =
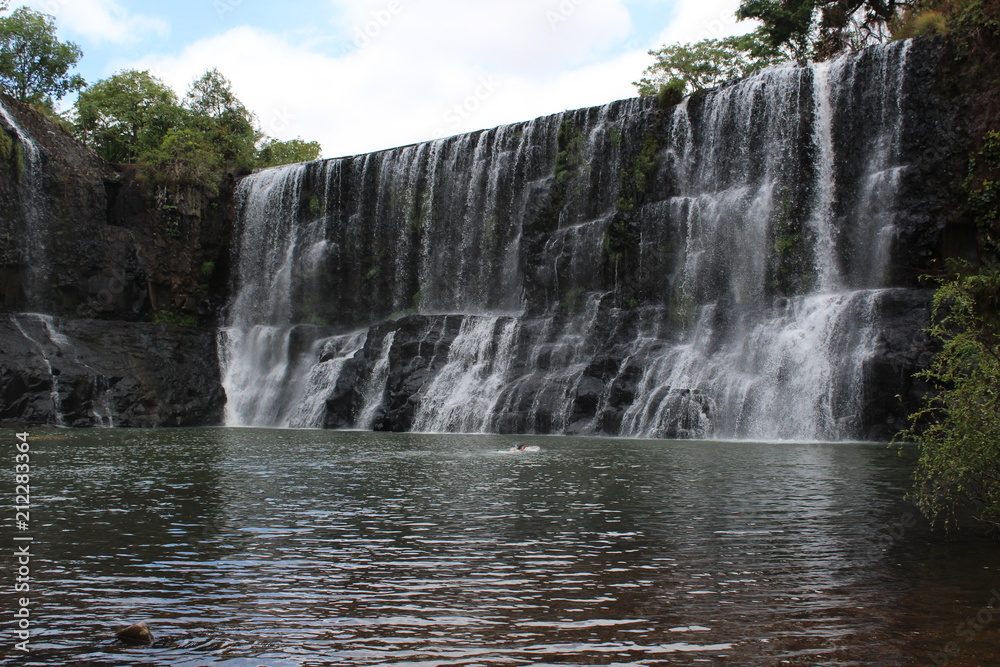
column 792, row 263
column 940, row 17
column 207, row 270
column 568, row 304
column 34, row 64
column 273, row 153
column 18, row 158
column 931, row 22
column 670, row 93
column 983, row 187
column 570, row 155
column 686, row 68
column 173, row 316
column 186, row 157
column 316, row 205
column 133, row 117
column 958, row 428
column 47, row 108
column 6, row 145
column 615, row 256
column 821, row 28
column 126, row 115
column 216, row 112
column 615, row 136
column 634, row 179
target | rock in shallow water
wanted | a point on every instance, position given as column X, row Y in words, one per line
column 135, row 634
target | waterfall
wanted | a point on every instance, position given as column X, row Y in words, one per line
column 714, row 269
column 373, row 391
column 44, row 320
column 32, row 233
column 60, row 358
column 463, row 395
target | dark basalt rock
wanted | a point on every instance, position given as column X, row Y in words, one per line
column 92, row 373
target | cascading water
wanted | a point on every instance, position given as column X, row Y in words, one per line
column 373, row 389
column 713, row 269
column 33, row 241
column 44, row 353
column 54, row 348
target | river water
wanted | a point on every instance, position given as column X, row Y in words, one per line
column 250, row 547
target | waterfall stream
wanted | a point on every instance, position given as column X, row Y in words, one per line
column 33, row 235
column 715, row 269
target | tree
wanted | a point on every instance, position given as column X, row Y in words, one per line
column 187, row 157
column 273, row 152
column 958, row 428
column 823, row 27
column 217, row 112
column 34, row 64
column 708, row 63
column 126, row 114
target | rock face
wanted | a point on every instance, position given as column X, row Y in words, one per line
column 96, row 373
column 80, row 238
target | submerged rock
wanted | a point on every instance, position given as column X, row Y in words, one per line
column 138, row 633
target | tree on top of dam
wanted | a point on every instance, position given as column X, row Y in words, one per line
column 688, row 68
column 801, row 30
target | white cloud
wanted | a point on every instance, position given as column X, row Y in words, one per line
column 704, row 19
column 101, row 20
column 444, row 69
column 430, row 69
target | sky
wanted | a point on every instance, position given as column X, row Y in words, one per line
column 364, row 75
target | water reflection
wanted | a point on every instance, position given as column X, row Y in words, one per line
column 250, row 547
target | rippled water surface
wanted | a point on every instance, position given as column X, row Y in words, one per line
column 257, row 547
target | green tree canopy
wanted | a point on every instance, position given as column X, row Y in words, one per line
column 126, row 114
column 34, row 65
column 187, row 156
column 708, row 63
column 823, row 27
column 134, row 117
column 273, row 152
column 223, row 119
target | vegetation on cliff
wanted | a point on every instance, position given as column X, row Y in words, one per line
column 133, row 117
column 692, row 67
column 958, row 428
